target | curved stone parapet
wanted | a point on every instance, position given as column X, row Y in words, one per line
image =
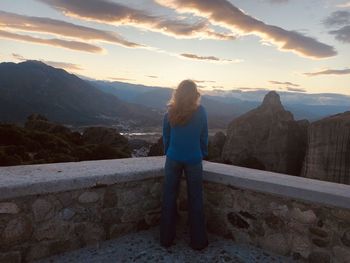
column 287, row 186
column 51, row 208
column 21, row 180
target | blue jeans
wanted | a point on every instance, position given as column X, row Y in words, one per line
column 173, row 171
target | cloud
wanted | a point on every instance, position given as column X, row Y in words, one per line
column 73, row 45
column 204, row 81
column 218, row 88
column 287, row 83
column 61, row 28
column 342, row 34
column 295, row 89
column 193, row 56
column 117, row 13
column 208, row 58
column 289, row 86
column 337, row 18
column 329, row 72
column 18, row 57
column 56, row 64
column 211, row 59
column 152, row 76
column 345, row 5
column 278, row 1
column 224, row 13
column 246, row 89
column 120, row 79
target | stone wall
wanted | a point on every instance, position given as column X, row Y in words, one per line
column 305, row 231
column 304, row 218
column 52, row 208
column 37, row 226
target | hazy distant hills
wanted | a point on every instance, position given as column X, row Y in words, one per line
column 34, row 87
column 315, row 112
column 302, row 105
column 222, row 106
column 123, row 90
column 219, row 113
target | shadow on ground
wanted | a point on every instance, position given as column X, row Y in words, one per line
column 144, row 246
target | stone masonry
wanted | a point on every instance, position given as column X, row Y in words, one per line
column 306, row 219
column 33, row 227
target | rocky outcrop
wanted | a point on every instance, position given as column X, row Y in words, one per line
column 215, row 146
column 43, row 141
column 39, row 122
column 328, row 154
column 109, row 142
column 104, row 135
column 139, row 147
column 267, row 138
column 157, row 149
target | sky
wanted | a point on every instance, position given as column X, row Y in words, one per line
column 286, row 45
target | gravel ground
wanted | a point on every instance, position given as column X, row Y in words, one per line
column 144, row 246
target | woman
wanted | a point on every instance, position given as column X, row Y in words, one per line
column 185, row 139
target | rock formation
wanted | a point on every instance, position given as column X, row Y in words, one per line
column 215, row 146
column 328, row 154
column 267, row 138
column 139, row 147
column 157, row 149
column 42, row 141
column 39, row 122
column 104, row 135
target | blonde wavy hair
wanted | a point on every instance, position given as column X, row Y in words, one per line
column 183, row 103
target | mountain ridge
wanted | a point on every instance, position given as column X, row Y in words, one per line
column 300, row 110
column 34, row 87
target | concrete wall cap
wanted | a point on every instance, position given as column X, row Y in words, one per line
column 22, row 180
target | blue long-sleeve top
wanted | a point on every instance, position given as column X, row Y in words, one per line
column 187, row 143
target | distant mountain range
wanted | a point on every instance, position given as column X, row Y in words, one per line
column 219, row 113
column 303, row 105
column 34, row 87
column 223, row 106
